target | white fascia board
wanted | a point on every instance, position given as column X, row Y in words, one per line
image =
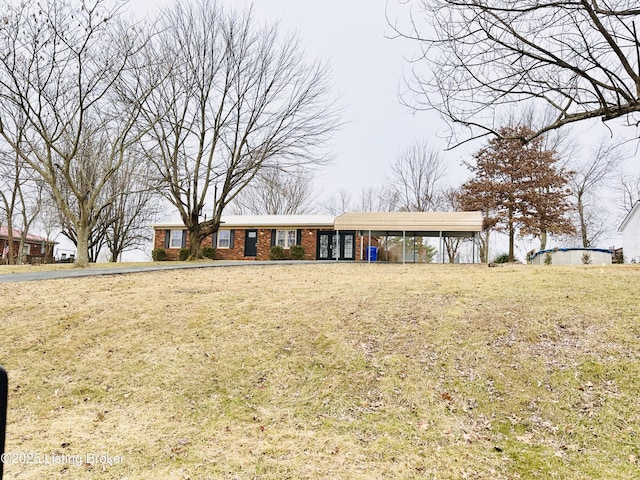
column 629, row 216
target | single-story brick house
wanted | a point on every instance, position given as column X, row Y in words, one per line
column 35, row 249
column 630, row 230
column 250, row 237
column 323, row 237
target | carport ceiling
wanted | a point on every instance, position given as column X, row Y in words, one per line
column 419, row 224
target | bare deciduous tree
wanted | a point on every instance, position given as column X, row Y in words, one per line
column 235, row 98
column 48, row 221
column 369, row 199
column 133, row 208
column 21, row 196
column 629, row 192
column 12, row 180
column 451, row 202
column 276, row 192
column 416, row 178
column 67, row 73
column 383, row 199
column 578, row 58
column 339, row 203
column 585, row 181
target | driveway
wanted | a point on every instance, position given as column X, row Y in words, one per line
column 35, row 275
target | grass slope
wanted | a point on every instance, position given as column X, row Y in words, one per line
column 343, row 371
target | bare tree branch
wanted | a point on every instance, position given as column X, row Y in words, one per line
column 587, row 177
column 67, row 71
column 577, row 57
column 416, row 177
column 276, row 192
column 237, row 99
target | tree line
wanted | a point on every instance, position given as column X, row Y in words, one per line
column 100, row 116
column 538, row 189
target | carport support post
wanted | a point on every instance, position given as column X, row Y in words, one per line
column 404, row 241
column 473, row 249
column 386, row 246
column 414, row 248
column 368, row 251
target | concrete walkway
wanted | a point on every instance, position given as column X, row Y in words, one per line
column 95, row 270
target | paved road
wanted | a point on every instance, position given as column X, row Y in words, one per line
column 36, row 275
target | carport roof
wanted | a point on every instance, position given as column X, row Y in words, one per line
column 414, row 223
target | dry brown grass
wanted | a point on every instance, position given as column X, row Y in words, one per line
column 344, row 371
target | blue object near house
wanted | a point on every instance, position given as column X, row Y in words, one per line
column 372, row 254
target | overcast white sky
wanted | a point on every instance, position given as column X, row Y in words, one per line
column 352, row 36
column 368, row 67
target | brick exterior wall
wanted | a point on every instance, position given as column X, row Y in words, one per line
column 264, row 244
column 309, row 243
column 309, row 240
column 35, row 247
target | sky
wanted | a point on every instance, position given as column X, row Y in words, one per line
column 353, row 36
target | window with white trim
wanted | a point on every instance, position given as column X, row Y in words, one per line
column 348, row 246
column 286, row 238
column 175, row 239
column 224, row 238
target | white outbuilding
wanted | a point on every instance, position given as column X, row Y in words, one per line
column 630, row 230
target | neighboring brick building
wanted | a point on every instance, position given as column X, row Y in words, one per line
column 251, row 238
column 35, row 249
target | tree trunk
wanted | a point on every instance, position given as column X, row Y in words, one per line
column 583, row 224
column 21, row 256
column 115, row 250
column 512, row 236
column 195, row 243
column 452, row 245
column 10, row 254
column 113, row 255
column 484, row 247
column 198, row 232
column 82, row 247
column 543, row 240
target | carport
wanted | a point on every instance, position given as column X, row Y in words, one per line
column 440, row 225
